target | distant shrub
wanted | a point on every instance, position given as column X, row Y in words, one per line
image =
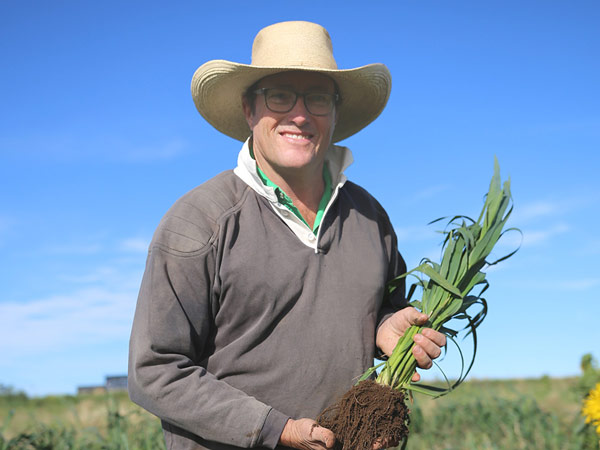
column 8, row 393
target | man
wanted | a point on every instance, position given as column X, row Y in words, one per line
column 262, row 299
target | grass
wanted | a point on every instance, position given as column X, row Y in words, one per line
column 552, row 394
column 93, row 421
column 540, row 413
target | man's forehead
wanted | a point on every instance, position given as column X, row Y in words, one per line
column 298, row 79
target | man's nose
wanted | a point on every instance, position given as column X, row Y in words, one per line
column 299, row 114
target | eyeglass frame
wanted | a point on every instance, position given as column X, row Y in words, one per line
column 335, row 96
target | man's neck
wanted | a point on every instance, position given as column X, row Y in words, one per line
column 304, row 187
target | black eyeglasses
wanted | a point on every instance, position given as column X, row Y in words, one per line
column 283, row 100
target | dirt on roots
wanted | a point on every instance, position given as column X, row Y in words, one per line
column 367, row 413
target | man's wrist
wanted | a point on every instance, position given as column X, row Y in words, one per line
column 272, row 429
column 285, row 439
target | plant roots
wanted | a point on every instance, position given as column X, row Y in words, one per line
column 368, row 413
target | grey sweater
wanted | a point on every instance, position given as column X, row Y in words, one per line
column 240, row 325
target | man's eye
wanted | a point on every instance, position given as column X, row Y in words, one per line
column 280, row 96
column 318, row 98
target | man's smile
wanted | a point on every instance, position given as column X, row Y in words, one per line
column 291, row 135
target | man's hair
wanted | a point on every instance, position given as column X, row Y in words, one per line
column 250, row 96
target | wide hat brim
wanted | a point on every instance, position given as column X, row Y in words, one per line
column 218, row 86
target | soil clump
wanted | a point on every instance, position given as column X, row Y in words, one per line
column 367, row 413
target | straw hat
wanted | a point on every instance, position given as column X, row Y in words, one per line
column 218, row 85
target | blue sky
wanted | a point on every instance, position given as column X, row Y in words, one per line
column 99, row 136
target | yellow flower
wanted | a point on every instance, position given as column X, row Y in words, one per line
column 591, row 408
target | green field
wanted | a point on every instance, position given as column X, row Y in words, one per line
column 91, row 421
column 541, row 413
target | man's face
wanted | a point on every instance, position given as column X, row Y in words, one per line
column 296, row 141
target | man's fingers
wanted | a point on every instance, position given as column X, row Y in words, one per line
column 396, row 326
column 431, row 348
column 406, row 317
column 324, row 435
column 423, row 360
column 428, row 347
column 417, row 318
column 306, row 434
column 380, row 444
column 435, row 336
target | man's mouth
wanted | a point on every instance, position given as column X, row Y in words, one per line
column 297, row 135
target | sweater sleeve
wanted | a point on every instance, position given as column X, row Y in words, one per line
column 397, row 266
column 169, row 339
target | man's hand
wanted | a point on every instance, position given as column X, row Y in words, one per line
column 428, row 342
column 305, row 434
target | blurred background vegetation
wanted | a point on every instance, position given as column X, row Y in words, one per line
column 542, row 413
